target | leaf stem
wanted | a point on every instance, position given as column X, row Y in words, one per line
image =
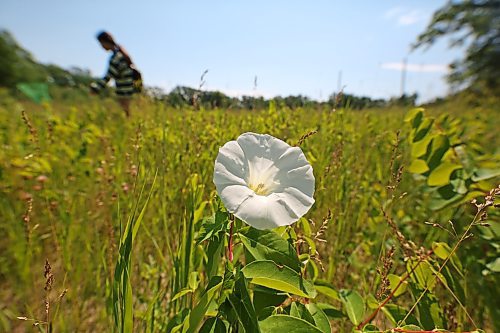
column 370, row 318
column 230, row 241
column 464, row 235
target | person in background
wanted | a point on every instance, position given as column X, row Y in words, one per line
column 121, row 69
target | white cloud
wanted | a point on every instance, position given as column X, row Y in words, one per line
column 405, row 16
column 420, row 68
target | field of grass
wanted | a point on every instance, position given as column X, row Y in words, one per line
column 76, row 177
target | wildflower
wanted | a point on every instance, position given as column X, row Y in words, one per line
column 264, row 181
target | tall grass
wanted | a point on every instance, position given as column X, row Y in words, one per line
column 96, row 166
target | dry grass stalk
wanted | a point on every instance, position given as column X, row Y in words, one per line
column 31, row 129
column 304, row 137
column 387, row 262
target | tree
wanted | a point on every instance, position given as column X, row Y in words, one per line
column 476, row 25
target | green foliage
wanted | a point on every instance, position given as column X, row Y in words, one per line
column 439, row 155
column 475, row 23
column 269, row 274
column 175, row 275
column 354, row 305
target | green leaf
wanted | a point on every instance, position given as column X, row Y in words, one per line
column 441, row 174
column 213, row 325
column 268, row 274
column 414, row 116
column 264, row 298
column 453, row 281
column 320, row 318
column 444, row 196
column 423, row 129
column 214, row 251
column 483, row 174
column 354, row 305
column 418, row 149
column 193, row 321
column 242, row 305
column 177, row 320
column 331, row 311
column 181, row 293
column 436, row 150
column 299, row 310
column 394, row 280
column 268, row 245
column 423, row 274
column 327, row 289
column 430, row 314
column 396, row 313
column 212, row 225
column 443, row 250
column 494, row 266
column 288, row 324
column 418, row 166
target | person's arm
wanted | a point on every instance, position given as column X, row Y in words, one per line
column 112, row 72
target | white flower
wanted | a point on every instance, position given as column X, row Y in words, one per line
column 264, row 181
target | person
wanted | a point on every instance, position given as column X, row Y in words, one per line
column 121, row 69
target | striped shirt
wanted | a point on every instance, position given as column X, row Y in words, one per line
column 119, row 70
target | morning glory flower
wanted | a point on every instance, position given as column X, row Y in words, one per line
column 264, row 181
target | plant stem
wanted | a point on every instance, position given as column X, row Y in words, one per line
column 453, row 250
column 230, row 241
column 370, row 318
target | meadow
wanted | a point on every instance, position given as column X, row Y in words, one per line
column 110, row 224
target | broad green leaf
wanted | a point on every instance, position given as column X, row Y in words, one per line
column 320, row 318
column 430, row 314
column 268, row 245
column 441, row 174
column 418, row 149
column 299, row 310
column 444, row 196
column 436, row 150
column 371, row 302
column 354, row 305
column 331, row 311
column 423, row 274
column 418, row 166
column 268, row 274
column 242, row 305
column 422, row 129
column 443, row 250
column 288, row 324
column 483, row 174
column 494, row 266
column 396, row 313
column 264, row 297
column 394, row 280
column 414, row 116
column 327, row 289
column 454, row 282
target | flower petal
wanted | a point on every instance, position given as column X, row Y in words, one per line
column 265, row 212
column 280, row 174
column 234, row 195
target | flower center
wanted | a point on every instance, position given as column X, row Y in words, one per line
column 259, row 189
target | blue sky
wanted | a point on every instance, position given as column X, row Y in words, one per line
column 292, row 46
